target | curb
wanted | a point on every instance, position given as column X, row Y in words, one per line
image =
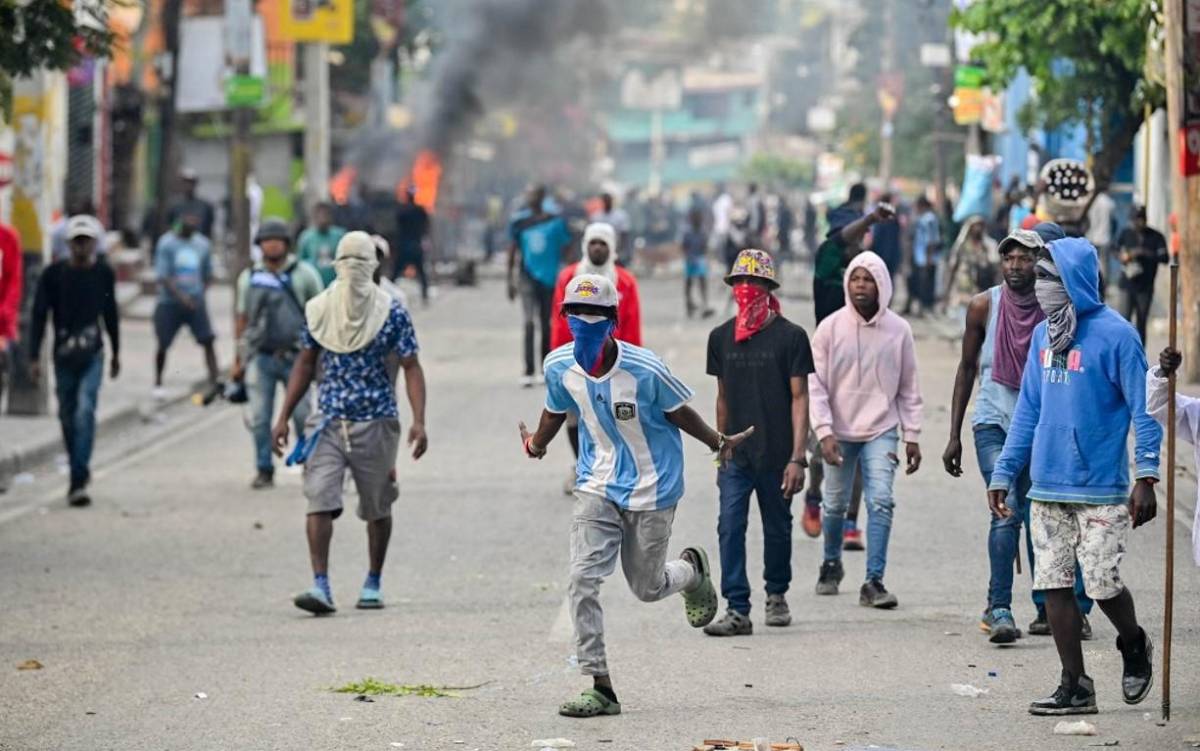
column 19, row 460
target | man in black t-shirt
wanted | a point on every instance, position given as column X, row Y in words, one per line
column 77, row 293
column 1142, row 250
column 761, row 361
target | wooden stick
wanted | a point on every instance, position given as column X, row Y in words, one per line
column 1169, row 586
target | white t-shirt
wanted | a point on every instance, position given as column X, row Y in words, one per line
column 722, row 207
column 1100, row 221
column 629, row 453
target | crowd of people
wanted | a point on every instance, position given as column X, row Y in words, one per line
column 1060, row 379
column 1039, row 342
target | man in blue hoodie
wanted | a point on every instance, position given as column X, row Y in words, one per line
column 1084, row 383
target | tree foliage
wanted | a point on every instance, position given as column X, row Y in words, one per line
column 49, row 34
column 1086, row 58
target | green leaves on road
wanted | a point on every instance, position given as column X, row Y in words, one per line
column 375, row 687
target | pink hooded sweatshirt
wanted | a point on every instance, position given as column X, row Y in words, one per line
column 864, row 381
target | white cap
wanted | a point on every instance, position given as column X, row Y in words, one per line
column 591, row 289
column 83, row 225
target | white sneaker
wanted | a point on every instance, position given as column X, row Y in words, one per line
column 159, row 393
column 526, row 382
column 539, row 379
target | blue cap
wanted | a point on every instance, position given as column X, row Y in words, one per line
column 1049, row 232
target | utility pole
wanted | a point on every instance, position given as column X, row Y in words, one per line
column 239, row 18
column 316, row 118
column 168, row 72
column 1185, row 191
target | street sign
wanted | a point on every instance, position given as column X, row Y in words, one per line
column 244, row 91
column 330, row 21
column 1189, row 152
column 935, row 55
column 239, row 33
column 969, row 77
column 967, row 105
column 6, row 170
column 821, row 119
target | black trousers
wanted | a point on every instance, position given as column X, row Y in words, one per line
column 536, row 302
column 1135, row 306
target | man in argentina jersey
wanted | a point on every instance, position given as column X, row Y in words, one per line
column 630, row 475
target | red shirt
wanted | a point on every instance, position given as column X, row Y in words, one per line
column 629, row 309
column 10, row 281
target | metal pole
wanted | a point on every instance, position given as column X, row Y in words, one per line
column 172, row 11
column 316, row 119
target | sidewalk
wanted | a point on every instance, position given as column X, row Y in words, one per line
column 29, row 441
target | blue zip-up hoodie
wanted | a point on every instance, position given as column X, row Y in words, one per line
column 1073, row 413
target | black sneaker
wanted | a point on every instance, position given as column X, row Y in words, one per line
column 1137, row 678
column 77, row 494
column 1067, row 699
column 1085, row 628
column 874, row 595
column 830, row 577
column 263, row 480
column 1040, row 626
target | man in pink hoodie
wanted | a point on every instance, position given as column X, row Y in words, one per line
column 864, row 397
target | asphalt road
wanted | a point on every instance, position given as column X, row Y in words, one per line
column 178, row 582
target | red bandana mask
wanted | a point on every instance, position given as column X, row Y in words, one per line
column 755, row 306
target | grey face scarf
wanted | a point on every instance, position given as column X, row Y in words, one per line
column 1056, row 304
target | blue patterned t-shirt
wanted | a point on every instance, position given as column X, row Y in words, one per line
column 356, row 385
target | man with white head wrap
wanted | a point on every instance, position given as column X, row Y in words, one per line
column 353, row 329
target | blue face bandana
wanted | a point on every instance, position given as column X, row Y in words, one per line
column 590, row 334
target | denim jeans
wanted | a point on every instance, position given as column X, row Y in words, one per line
column 735, row 485
column 1005, row 534
column 78, row 391
column 879, row 460
column 265, row 372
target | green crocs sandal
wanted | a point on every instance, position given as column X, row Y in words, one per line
column 701, row 603
column 591, row 703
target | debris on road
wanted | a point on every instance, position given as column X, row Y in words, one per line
column 1075, row 728
column 375, row 687
column 1105, row 744
column 967, row 690
column 711, row 744
column 545, row 743
column 258, row 525
column 30, row 665
column 364, row 698
column 201, row 695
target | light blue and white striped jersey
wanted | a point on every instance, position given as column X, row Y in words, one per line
column 629, row 452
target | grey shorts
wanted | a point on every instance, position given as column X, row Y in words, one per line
column 1064, row 533
column 368, row 450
